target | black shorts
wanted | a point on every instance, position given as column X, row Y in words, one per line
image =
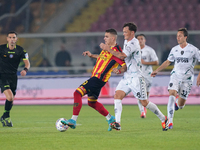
column 93, row 86
column 8, row 81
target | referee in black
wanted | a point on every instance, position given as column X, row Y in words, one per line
column 10, row 57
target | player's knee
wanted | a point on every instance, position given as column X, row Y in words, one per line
column 10, row 97
column 119, row 95
column 79, row 91
column 91, row 102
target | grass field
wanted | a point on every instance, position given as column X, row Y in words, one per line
column 34, row 129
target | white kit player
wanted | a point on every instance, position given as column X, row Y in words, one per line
column 184, row 56
column 132, row 80
column 149, row 58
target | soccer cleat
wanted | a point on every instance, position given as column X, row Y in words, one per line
column 170, row 126
column 143, row 115
column 3, row 121
column 71, row 123
column 111, row 120
column 115, row 125
column 165, row 124
column 6, row 122
column 176, row 107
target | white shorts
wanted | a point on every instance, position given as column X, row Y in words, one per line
column 182, row 87
column 137, row 85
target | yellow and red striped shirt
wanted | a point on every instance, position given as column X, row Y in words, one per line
column 105, row 63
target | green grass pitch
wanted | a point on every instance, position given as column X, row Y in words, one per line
column 34, row 129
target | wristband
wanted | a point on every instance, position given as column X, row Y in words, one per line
column 119, row 72
column 26, row 69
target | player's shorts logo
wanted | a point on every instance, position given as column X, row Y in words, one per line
column 171, row 84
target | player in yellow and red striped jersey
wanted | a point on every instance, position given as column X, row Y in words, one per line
column 100, row 75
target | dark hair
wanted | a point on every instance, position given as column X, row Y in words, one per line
column 141, row 35
column 12, row 32
column 112, row 31
column 132, row 26
column 185, row 32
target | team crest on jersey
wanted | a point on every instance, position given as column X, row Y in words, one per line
column 128, row 48
column 11, row 55
column 182, row 52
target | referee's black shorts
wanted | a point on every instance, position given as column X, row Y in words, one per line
column 8, row 81
column 93, row 86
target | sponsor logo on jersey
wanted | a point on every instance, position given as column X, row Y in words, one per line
column 182, row 60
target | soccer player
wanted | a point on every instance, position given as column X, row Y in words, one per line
column 184, row 56
column 10, row 57
column 149, row 58
column 132, row 79
column 100, row 75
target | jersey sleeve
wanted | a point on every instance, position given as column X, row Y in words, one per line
column 153, row 55
column 171, row 56
column 24, row 55
column 119, row 61
column 197, row 54
column 130, row 48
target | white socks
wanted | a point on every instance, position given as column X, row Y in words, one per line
column 170, row 108
column 141, row 108
column 151, row 106
column 74, row 117
column 118, row 109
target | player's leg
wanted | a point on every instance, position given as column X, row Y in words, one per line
column 170, row 107
column 78, row 94
column 183, row 94
column 92, row 102
column 153, row 107
column 5, row 118
column 121, row 91
column 142, row 109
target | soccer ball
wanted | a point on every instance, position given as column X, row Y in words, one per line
column 61, row 127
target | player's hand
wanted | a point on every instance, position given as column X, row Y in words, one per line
column 23, row 73
column 87, row 53
column 154, row 73
column 116, row 71
column 104, row 47
column 143, row 62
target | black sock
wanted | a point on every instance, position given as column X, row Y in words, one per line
column 8, row 106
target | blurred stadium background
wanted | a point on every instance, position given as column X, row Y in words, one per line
column 44, row 26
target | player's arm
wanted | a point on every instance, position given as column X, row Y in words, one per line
column 89, row 54
column 120, row 70
column 26, row 68
column 161, row 67
column 149, row 63
column 117, row 54
column 198, row 79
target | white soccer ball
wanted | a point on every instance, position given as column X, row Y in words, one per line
column 61, row 127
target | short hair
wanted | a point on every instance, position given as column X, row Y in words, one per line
column 185, row 32
column 12, row 32
column 112, row 31
column 141, row 35
column 132, row 26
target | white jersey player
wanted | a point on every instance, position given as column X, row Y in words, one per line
column 184, row 56
column 132, row 80
column 149, row 58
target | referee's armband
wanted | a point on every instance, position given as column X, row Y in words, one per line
column 26, row 69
